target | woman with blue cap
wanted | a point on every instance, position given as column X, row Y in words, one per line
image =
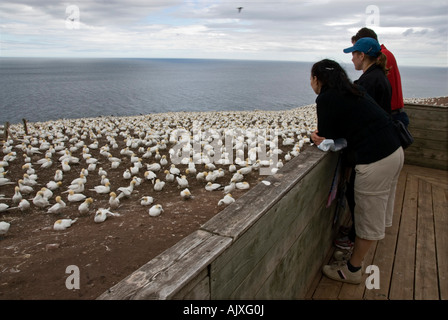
column 367, row 56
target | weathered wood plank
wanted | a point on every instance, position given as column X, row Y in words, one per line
column 239, row 216
column 402, row 282
column 163, row 277
column 440, row 205
column 385, row 251
column 244, row 267
column 426, row 286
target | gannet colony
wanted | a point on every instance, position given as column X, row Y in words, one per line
column 148, row 153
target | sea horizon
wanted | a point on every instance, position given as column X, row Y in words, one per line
column 40, row 89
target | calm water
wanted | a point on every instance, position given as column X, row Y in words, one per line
column 50, row 89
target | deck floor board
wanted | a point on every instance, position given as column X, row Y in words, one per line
column 413, row 257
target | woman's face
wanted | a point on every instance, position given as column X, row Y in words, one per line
column 315, row 84
column 357, row 59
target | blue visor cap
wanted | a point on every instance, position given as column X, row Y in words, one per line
column 367, row 45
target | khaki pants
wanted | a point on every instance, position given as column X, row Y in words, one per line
column 375, row 186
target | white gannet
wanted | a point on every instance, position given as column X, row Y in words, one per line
column 155, row 210
column 158, row 185
column 4, row 227
column 40, row 201
column 101, row 215
column 126, row 191
column 85, row 206
column 75, row 197
column 150, row 175
column 210, row 186
column 182, row 182
column 24, row 205
column 63, row 224
column 17, row 197
column 146, row 200
column 100, row 189
column 53, row 185
column 228, row 199
column 58, row 206
column 186, row 194
column 242, row 185
column 114, row 202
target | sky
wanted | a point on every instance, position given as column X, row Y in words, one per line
column 416, row 32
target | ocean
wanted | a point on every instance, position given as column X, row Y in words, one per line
column 42, row 89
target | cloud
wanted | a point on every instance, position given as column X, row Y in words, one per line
column 275, row 30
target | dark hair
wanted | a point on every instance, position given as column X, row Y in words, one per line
column 331, row 74
column 364, row 33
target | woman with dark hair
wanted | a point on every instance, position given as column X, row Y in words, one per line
column 344, row 110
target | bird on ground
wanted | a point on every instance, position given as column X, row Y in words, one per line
column 155, row 210
column 186, row 194
column 228, row 199
column 58, row 206
column 146, row 200
column 242, row 185
column 174, row 170
column 212, row 186
column 3, row 207
column 182, row 182
column 153, row 167
column 17, row 197
column 158, row 185
column 24, row 205
column 40, row 201
column 63, row 224
column 169, row 176
column 85, row 206
column 229, row 188
column 127, row 174
column 75, row 197
column 4, row 227
column 5, row 181
column 101, row 215
column 102, row 189
column 77, row 188
column 114, row 202
column 150, row 175
column 237, row 177
column 126, row 191
column 53, row 185
column 58, row 175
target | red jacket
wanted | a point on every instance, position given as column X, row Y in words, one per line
column 394, row 79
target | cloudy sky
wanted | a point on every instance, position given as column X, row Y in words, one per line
column 297, row 30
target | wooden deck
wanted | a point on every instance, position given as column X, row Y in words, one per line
column 413, row 257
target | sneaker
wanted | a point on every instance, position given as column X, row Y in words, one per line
column 344, row 243
column 339, row 271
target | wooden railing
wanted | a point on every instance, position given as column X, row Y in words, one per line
column 429, row 126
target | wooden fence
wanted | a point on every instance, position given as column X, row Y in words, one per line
column 269, row 244
column 429, row 126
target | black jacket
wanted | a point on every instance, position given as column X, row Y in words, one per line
column 377, row 86
column 369, row 131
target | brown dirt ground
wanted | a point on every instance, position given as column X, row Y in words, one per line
column 34, row 257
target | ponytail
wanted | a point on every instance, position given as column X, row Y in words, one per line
column 382, row 63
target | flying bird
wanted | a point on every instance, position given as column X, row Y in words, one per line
column 239, row 9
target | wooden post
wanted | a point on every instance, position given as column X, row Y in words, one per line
column 6, row 130
column 24, row 126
